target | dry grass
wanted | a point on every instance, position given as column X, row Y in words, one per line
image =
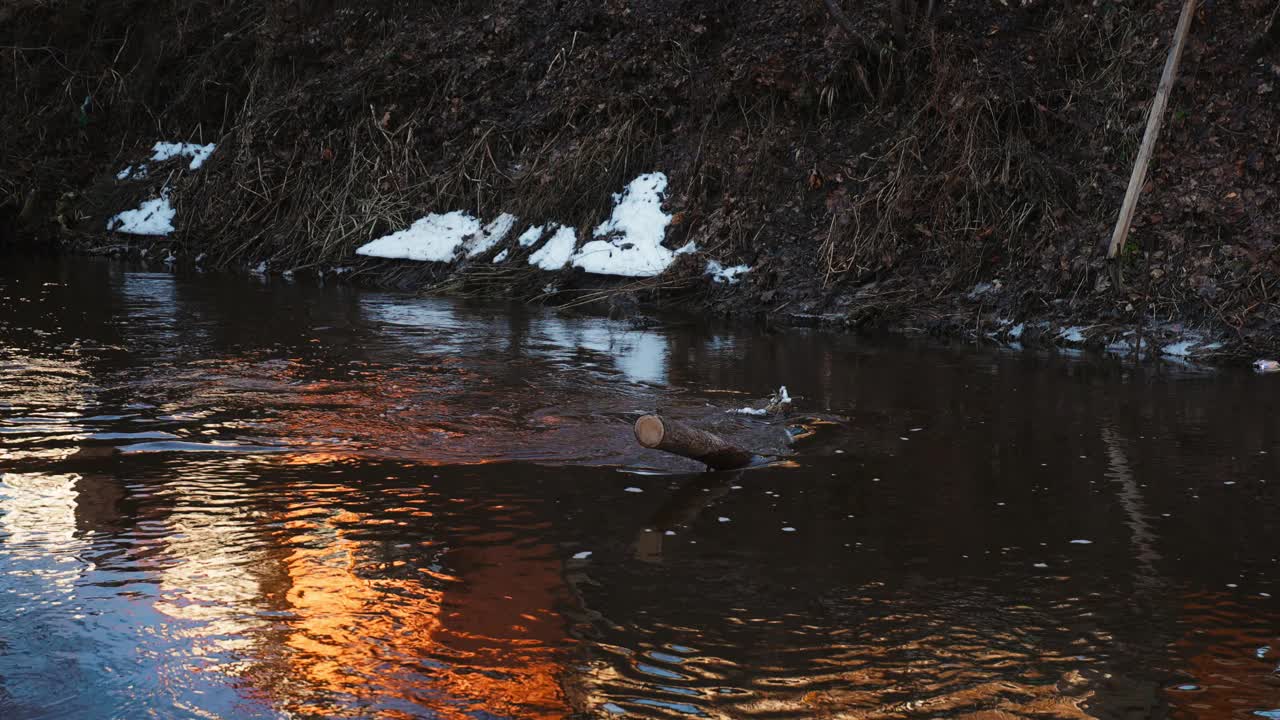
column 976, row 173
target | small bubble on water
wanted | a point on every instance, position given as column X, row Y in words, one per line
column 1041, row 565
column 788, row 529
column 633, row 489
column 722, row 519
column 582, row 555
column 669, row 532
column 1081, row 542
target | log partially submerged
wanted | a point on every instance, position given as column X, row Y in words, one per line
column 659, row 433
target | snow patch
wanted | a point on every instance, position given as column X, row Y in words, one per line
column 687, row 249
column 636, row 230
column 980, row 289
column 1072, row 334
column 492, row 234
column 197, row 153
column 133, row 173
column 558, row 250
column 1178, row 349
column 434, row 238
column 722, row 274
column 530, row 236
column 153, row 217
column 501, row 256
column 1016, row 331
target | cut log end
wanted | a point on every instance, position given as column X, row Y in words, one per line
column 658, row 433
column 650, row 431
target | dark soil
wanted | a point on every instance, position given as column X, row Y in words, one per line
column 957, row 177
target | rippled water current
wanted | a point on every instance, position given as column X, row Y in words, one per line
column 232, row 498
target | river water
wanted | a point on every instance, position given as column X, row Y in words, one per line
column 240, row 498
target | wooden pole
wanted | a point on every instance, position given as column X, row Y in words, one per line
column 659, row 433
column 1139, row 176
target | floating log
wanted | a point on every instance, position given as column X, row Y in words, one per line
column 659, row 433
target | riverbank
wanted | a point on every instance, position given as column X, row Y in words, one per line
column 955, row 175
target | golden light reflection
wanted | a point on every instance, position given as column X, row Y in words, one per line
column 1221, row 656
column 368, row 631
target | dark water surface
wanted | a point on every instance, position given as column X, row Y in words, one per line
column 227, row 498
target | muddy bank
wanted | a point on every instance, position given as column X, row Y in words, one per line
column 956, row 174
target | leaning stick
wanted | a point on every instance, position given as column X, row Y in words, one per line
column 1139, row 176
column 659, row 433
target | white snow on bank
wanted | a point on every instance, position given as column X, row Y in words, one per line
column 1016, row 331
column 558, row 250
column 1072, row 334
column 1188, row 347
column 687, row 248
column 492, row 234
column 500, row 257
column 197, row 153
column 434, row 238
column 722, row 274
column 530, row 236
column 635, row 232
column 153, row 217
column 132, row 173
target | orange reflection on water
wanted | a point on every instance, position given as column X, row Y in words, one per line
column 1221, row 653
column 372, row 632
